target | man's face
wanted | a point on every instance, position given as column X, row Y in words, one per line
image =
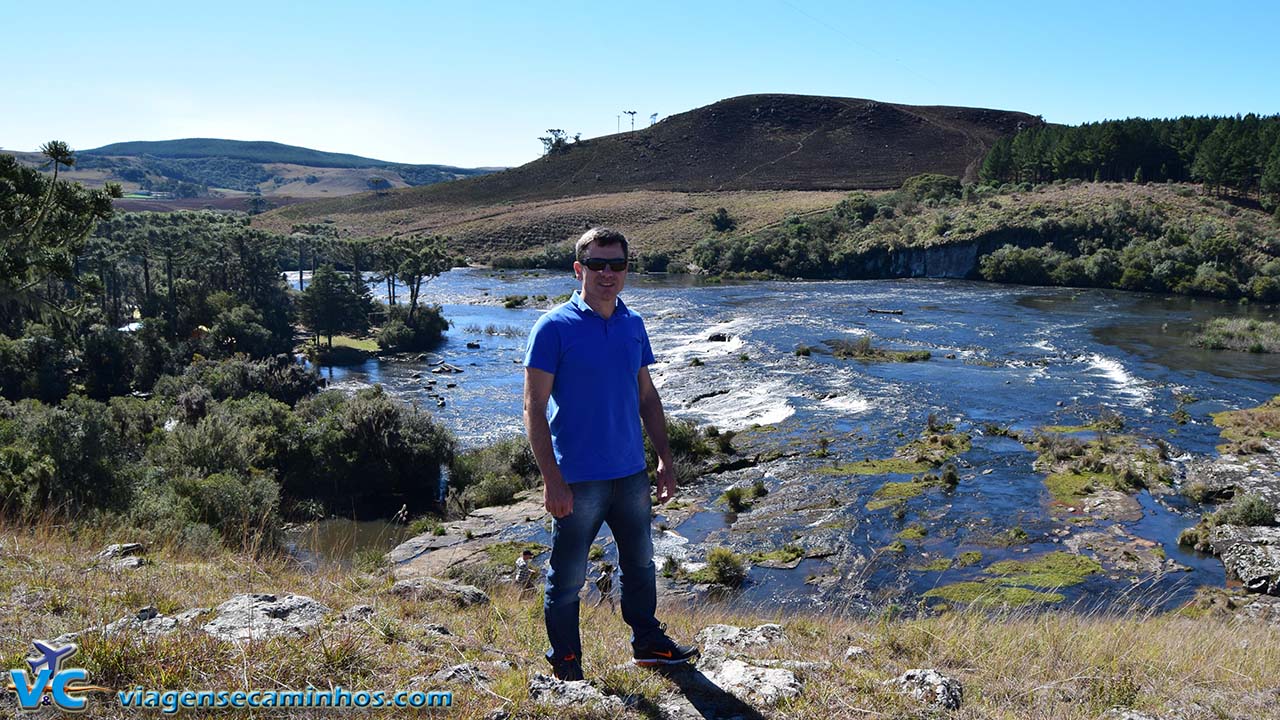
column 603, row 284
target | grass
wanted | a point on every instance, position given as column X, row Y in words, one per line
column 862, row 349
column 363, row 344
column 1015, row 664
column 1056, row 569
column 1240, row 334
column 989, row 594
column 1245, row 430
column 784, row 555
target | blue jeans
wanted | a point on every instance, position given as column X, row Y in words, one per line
column 624, row 504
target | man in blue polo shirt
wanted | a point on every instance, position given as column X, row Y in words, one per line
column 586, row 392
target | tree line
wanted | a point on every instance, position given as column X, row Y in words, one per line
column 1237, row 154
column 146, row 374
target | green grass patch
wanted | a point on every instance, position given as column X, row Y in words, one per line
column 505, row 553
column 969, row 558
column 1245, row 429
column 937, row 565
column 785, row 555
column 914, row 531
column 366, row 344
column 989, row 594
column 1069, row 486
column 1056, row 569
column 1240, row 334
column 862, row 349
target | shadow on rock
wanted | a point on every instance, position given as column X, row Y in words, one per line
column 707, row 700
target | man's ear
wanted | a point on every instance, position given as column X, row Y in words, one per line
column 577, row 270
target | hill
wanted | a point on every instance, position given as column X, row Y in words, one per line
column 257, row 152
column 748, row 143
column 207, row 172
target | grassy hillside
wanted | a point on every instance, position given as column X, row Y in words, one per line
column 753, row 142
column 1204, row 661
column 257, row 152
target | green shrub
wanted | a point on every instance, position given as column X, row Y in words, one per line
column 725, row 567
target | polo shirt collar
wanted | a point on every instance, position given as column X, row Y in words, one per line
column 581, row 304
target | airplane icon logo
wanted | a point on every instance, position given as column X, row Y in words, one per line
column 50, row 657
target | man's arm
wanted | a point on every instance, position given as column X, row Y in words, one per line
column 655, row 423
column 555, row 491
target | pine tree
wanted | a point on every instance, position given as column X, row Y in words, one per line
column 331, row 304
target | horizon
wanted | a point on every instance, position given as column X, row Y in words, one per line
column 371, row 81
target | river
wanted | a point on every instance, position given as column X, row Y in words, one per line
column 1010, row 355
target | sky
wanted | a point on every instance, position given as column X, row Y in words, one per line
column 475, row 84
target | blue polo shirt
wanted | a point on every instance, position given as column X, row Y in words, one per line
column 594, row 410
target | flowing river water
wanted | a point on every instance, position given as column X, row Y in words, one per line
column 1013, row 356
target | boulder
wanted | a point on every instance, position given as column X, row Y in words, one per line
column 730, row 637
column 750, row 682
column 429, row 588
column 855, row 652
column 577, row 694
column 931, row 687
column 1250, row 554
column 119, row 550
column 256, row 616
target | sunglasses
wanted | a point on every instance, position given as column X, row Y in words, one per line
column 598, row 264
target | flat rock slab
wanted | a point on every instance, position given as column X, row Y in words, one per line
column 119, row 550
column 1256, row 474
column 750, row 682
column 147, row 622
column 1119, row 549
column 931, row 687
column 1250, row 554
column 256, row 616
column 422, row 554
column 428, row 588
column 576, row 694
column 726, row 637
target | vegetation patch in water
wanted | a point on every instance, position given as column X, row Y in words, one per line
column 1241, row 334
column 1071, row 486
column 1116, row 461
column 784, row 555
column 966, row 559
column 937, row 565
column 992, row 594
column 914, row 531
column 1246, row 429
column 862, row 349
column 1056, row 569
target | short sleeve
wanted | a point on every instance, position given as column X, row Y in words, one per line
column 646, row 352
column 542, row 351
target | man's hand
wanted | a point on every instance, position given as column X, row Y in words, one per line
column 666, row 481
column 557, row 497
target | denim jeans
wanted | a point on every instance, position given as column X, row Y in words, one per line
column 624, row 504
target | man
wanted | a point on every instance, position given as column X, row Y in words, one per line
column 523, row 576
column 587, row 361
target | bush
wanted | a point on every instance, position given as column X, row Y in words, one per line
column 722, row 221
column 1249, row 510
column 423, row 332
column 511, row 458
column 726, row 567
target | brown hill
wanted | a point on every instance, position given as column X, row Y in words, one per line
column 721, row 154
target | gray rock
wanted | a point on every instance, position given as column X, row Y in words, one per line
column 256, row 616
column 726, row 637
column 855, row 652
column 435, row 629
column 147, row 621
column 1250, row 554
column 127, row 563
column 748, row 681
column 472, row 672
column 357, row 613
column 119, row 550
column 428, row 588
column 1117, row 713
column 577, row 694
column 931, row 687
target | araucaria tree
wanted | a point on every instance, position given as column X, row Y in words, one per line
column 332, row 304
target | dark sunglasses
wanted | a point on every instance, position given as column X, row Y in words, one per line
column 598, row 264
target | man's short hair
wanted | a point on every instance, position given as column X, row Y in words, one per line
column 601, row 236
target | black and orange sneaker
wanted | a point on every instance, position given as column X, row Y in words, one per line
column 567, row 668
column 662, row 650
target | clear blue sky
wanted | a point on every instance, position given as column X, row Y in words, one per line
column 475, row 83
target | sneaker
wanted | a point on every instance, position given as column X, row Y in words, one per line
column 662, row 650
column 568, row 668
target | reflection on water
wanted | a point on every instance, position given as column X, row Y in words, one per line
column 343, row 542
column 1008, row 355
